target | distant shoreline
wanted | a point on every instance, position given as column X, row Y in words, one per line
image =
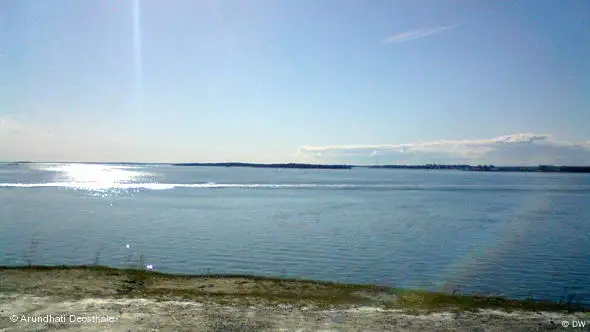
column 475, row 168
column 254, row 165
column 491, row 168
column 478, row 168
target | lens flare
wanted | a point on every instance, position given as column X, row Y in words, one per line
column 137, row 56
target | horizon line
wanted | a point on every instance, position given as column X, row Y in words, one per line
column 278, row 163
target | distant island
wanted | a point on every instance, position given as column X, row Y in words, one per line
column 492, row 168
column 289, row 165
column 477, row 168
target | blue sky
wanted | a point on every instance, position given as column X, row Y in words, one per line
column 503, row 82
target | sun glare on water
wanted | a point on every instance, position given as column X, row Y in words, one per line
column 96, row 177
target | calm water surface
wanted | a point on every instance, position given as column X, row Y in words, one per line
column 508, row 233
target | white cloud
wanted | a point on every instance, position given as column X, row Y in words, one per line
column 27, row 139
column 515, row 149
column 415, row 34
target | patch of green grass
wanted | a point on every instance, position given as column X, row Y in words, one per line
column 436, row 301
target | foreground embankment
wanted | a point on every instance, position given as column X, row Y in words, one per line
column 100, row 298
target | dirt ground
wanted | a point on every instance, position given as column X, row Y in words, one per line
column 109, row 300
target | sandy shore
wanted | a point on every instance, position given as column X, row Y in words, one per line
column 109, row 300
column 152, row 315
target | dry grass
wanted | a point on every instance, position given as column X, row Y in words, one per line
column 99, row 281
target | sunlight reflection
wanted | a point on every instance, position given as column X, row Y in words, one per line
column 96, row 177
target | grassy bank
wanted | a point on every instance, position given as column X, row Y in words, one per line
column 98, row 281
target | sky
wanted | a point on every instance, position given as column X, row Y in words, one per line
column 322, row 81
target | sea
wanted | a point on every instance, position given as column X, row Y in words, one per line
column 515, row 234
